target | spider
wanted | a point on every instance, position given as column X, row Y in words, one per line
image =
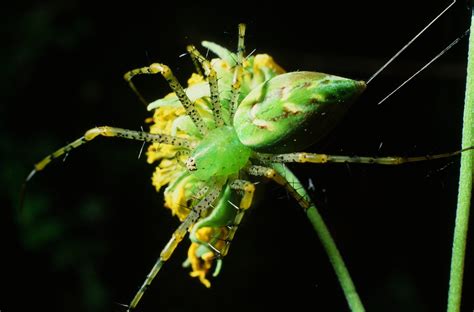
column 240, row 117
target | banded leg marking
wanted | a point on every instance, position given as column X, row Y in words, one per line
column 213, row 85
column 165, row 71
column 303, row 200
column 248, row 188
column 113, row 132
column 200, row 209
column 324, row 158
column 236, row 82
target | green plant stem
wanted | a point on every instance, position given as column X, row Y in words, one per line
column 465, row 187
column 336, row 259
column 328, row 242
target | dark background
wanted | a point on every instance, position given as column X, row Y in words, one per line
column 92, row 226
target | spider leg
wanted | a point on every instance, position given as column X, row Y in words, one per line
column 196, row 64
column 212, row 235
column 128, row 78
column 270, row 173
column 165, row 71
column 324, row 158
column 200, row 209
column 212, row 79
column 237, row 72
column 283, row 176
column 248, row 188
column 112, row 132
column 220, row 220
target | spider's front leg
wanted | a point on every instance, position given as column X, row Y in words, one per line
column 165, row 71
column 213, row 235
column 200, row 209
column 248, row 188
column 111, row 132
column 236, row 81
column 211, row 76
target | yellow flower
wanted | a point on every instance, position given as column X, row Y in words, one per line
column 201, row 262
column 265, row 61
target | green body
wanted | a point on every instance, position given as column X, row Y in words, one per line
column 283, row 114
column 220, row 153
column 276, row 113
column 293, row 110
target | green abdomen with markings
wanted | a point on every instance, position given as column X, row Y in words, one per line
column 294, row 110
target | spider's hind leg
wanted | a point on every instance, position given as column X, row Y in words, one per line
column 213, row 234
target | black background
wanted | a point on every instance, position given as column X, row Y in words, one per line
column 92, row 226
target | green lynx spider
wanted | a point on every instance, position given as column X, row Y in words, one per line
column 243, row 117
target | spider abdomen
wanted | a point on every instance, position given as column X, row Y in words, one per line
column 220, row 153
column 293, row 110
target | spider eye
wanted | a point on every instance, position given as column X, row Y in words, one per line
column 191, row 164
